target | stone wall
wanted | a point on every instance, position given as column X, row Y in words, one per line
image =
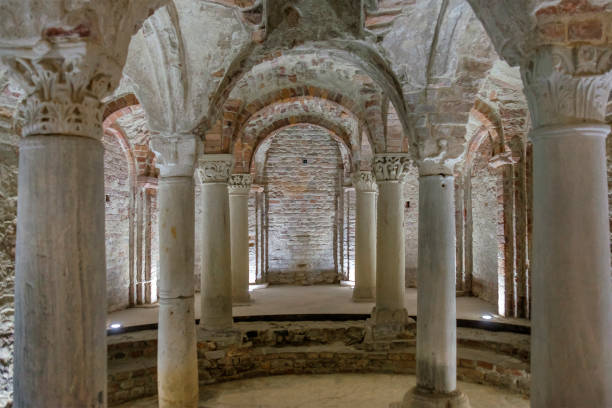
column 301, row 206
column 118, row 198
column 280, row 348
column 484, row 234
column 8, row 219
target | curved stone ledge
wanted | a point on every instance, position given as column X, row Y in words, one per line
column 278, row 348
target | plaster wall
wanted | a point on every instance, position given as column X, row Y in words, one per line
column 484, row 233
column 302, row 200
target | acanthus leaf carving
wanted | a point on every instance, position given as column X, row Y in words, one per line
column 240, row 184
column 568, row 85
column 64, row 85
column 391, row 167
column 215, row 168
column 364, row 181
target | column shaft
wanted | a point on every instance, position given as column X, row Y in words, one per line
column 60, row 279
column 177, row 368
column 239, row 225
column 390, row 251
column 572, row 290
column 216, row 261
column 436, row 304
column 365, row 246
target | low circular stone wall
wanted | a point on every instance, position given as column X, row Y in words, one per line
column 279, row 348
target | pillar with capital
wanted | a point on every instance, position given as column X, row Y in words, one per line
column 365, row 237
column 436, row 302
column 567, row 90
column 177, row 369
column 389, row 316
column 60, row 267
column 239, row 188
column 216, row 305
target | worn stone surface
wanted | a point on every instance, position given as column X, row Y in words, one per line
column 8, row 213
column 282, row 348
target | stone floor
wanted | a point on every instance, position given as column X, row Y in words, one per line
column 320, row 299
column 330, row 391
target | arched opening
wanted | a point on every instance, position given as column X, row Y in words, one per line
column 119, row 201
column 303, row 179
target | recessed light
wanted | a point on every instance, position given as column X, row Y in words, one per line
column 115, row 325
column 487, row 317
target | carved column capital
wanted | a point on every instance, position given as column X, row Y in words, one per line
column 64, row 84
column 215, row 168
column 240, row 184
column 391, row 167
column 568, row 85
column 365, row 182
column 176, row 154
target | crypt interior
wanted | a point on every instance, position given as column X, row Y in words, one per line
column 305, row 203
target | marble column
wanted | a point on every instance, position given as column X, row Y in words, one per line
column 239, row 188
column 60, row 266
column 365, row 237
column 389, row 315
column 571, row 362
column 216, row 313
column 177, row 367
column 436, row 303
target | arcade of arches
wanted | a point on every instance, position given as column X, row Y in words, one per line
column 177, row 177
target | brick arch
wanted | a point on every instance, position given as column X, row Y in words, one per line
column 115, row 131
column 366, row 80
column 236, row 116
column 372, row 65
column 315, row 111
column 344, row 150
column 490, row 120
column 119, row 104
column 144, row 158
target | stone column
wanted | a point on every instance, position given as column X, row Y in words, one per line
column 177, row 367
column 60, row 267
column 365, row 237
column 214, row 172
column 571, row 363
column 436, row 304
column 239, row 188
column 389, row 315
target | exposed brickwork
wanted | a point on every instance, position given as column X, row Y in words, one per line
column 118, row 202
column 574, row 21
column 411, row 225
column 8, row 221
column 301, row 205
column 499, row 359
column 484, row 226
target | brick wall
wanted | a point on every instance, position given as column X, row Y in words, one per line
column 117, row 190
column 301, row 205
column 411, row 225
column 484, row 234
column 8, row 218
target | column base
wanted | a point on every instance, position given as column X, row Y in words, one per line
column 363, row 295
column 387, row 324
column 420, row 398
